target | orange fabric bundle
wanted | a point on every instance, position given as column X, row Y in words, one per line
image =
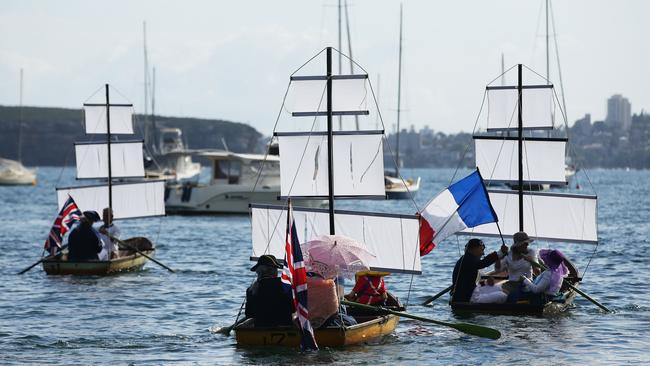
column 321, row 300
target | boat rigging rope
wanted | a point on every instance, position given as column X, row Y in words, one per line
column 67, row 155
column 299, row 163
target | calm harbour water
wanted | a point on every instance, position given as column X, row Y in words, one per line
column 156, row 317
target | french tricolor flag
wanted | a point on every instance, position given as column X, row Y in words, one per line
column 465, row 204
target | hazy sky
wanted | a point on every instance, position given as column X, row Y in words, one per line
column 231, row 59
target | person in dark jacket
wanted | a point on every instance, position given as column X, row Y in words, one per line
column 466, row 269
column 83, row 242
column 266, row 301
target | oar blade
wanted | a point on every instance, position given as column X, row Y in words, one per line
column 477, row 330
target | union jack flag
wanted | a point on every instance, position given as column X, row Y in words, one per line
column 67, row 217
column 294, row 278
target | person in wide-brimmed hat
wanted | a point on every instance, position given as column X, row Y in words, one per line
column 266, row 301
column 518, row 262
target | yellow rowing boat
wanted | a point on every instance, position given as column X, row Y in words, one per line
column 368, row 329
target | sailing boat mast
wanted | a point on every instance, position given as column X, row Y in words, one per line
column 399, row 91
column 347, row 27
column 548, row 78
column 520, row 130
column 146, row 79
column 153, row 105
column 108, row 147
column 20, row 120
column 340, row 59
column 330, row 168
column 503, row 70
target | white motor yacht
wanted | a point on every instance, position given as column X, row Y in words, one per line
column 235, row 182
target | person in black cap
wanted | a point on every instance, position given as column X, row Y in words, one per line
column 266, row 301
column 466, row 269
column 83, row 242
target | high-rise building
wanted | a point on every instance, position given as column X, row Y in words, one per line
column 619, row 111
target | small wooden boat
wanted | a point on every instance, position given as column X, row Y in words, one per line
column 553, row 306
column 517, row 149
column 118, row 165
column 369, row 328
column 355, row 173
column 128, row 260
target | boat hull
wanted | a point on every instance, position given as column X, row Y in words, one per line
column 132, row 262
column 369, row 330
column 13, row 173
column 396, row 189
column 550, row 308
column 222, row 199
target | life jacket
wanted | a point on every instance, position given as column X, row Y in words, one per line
column 369, row 289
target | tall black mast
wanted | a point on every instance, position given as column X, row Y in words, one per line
column 520, row 130
column 108, row 146
column 330, row 168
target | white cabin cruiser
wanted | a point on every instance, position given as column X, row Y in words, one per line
column 14, row 173
column 233, row 185
column 171, row 160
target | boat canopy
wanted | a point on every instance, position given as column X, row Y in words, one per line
column 521, row 117
column 549, row 216
column 228, row 155
column 539, row 111
column 393, row 239
column 92, row 159
column 543, row 161
column 110, row 159
column 358, row 167
column 121, row 117
column 321, row 161
column 130, row 200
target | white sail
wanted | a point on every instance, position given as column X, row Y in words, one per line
column 543, row 160
column 547, row 216
column 311, row 95
column 121, row 118
column 126, row 160
column 358, row 165
column 537, row 112
column 393, row 239
column 130, row 200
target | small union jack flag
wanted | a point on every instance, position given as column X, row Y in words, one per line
column 67, row 217
column 294, row 278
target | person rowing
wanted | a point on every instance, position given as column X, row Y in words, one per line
column 518, row 263
column 266, row 301
column 467, row 269
column 83, row 242
column 548, row 284
column 107, row 233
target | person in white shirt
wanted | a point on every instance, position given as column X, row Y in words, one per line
column 107, row 231
column 518, row 262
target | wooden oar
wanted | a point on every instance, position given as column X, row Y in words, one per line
column 436, row 296
column 226, row 330
column 466, row 328
column 141, row 253
column 42, row 259
column 575, row 289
